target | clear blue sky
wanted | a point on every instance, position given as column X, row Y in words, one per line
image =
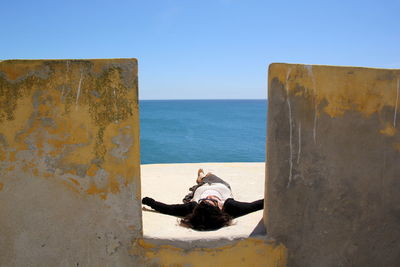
column 208, row 49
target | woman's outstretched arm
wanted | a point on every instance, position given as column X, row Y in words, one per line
column 180, row 210
column 236, row 209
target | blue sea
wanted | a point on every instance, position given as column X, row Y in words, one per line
column 177, row 131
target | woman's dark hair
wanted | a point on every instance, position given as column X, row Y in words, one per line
column 206, row 217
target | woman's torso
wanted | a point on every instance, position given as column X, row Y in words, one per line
column 218, row 189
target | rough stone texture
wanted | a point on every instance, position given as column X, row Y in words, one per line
column 333, row 174
column 70, row 164
column 247, row 252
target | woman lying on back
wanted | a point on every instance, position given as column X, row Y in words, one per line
column 209, row 205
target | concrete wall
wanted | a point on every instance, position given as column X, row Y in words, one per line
column 333, row 174
column 70, row 173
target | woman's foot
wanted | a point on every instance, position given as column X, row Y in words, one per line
column 200, row 175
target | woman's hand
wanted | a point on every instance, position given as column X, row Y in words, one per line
column 148, row 201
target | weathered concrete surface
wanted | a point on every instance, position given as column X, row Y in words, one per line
column 70, row 164
column 333, row 173
column 247, row 252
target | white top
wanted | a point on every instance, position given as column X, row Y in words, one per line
column 214, row 189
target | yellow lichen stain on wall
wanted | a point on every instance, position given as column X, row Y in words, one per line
column 397, row 146
column 2, row 154
column 248, row 252
column 336, row 90
column 69, row 114
column 343, row 88
column 10, row 168
column 21, row 116
column 14, row 69
column 389, row 130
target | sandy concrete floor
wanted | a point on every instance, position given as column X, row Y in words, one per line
column 169, row 183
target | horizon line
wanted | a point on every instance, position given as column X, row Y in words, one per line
column 185, row 99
